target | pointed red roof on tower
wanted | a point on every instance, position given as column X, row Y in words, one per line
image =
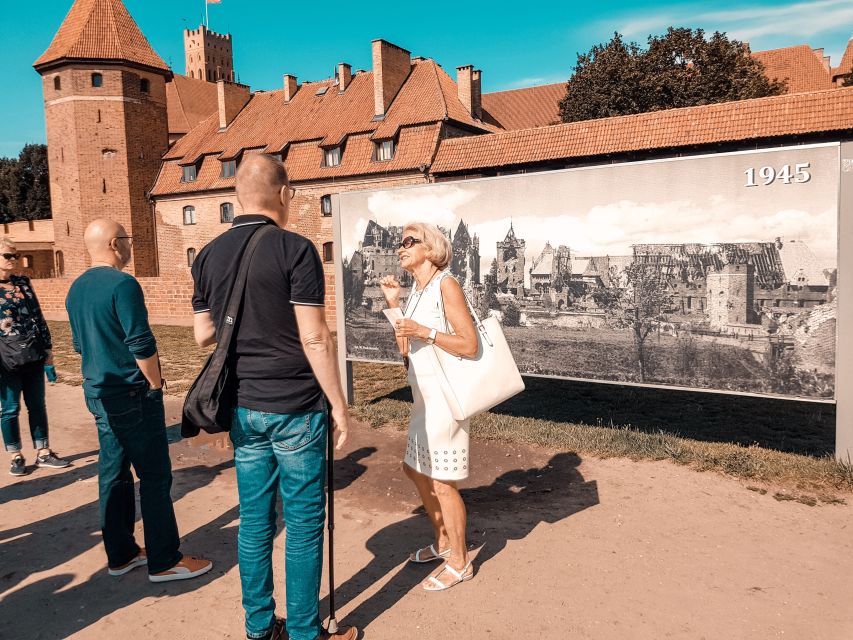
column 100, row 30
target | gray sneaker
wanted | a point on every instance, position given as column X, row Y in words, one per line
column 51, row 461
column 19, row 466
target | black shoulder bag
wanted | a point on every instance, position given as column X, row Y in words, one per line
column 212, row 396
column 20, row 351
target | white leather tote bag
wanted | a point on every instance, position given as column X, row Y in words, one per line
column 474, row 385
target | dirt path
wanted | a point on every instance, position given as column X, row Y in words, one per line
column 569, row 548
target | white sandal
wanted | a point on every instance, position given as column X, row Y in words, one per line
column 434, row 584
column 420, row 557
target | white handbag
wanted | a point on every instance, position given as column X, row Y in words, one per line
column 474, row 385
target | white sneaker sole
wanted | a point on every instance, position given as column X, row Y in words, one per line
column 180, row 574
column 136, row 562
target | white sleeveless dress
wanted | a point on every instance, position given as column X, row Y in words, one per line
column 437, row 445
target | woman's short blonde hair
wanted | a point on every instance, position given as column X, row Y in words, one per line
column 8, row 243
column 439, row 250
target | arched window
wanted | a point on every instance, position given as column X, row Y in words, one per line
column 189, row 215
column 26, row 262
column 192, row 73
column 97, row 80
column 226, row 212
column 144, row 85
column 326, row 206
column 328, row 252
column 190, row 256
column 57, row 83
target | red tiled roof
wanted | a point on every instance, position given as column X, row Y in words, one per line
column 846, row 64
column 525, row 108
column 787, row 115
column 189, row 102
column 800, row 66
column 416, row 147
column 100, row 30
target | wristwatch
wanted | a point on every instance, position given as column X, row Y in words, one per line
column 433, row 334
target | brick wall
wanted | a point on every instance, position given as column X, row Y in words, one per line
column 104, row 150
column 174, row 238
column 169, row 299
column 815, row 338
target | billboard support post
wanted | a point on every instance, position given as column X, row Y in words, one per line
column 344, row 366
column 844, row 347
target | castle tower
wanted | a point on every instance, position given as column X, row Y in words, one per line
column 105, row 109
column 730, row 294
column 209, row 55
column 510, row 259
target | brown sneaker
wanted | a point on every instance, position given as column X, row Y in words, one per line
column 188, row 567
column 343, row 633
column 140, row 560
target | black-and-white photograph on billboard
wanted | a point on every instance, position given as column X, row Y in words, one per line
column 710, row 272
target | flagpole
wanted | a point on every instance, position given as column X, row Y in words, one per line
column 206, row 14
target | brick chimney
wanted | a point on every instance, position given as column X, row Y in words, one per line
column 470, row 91
column 229, row 105
column 344, row 74
column 291, row 86
column 391, row 67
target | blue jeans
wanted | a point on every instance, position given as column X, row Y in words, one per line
column 132, row 432
column 30, row 382
column 285, row 452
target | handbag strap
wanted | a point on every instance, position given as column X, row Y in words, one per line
column 235, row 298
column 474, row 316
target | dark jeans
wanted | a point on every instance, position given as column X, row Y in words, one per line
column 30, row 382
column 132, row 431
column 283, row 453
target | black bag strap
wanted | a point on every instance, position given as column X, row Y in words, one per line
column 235, row 299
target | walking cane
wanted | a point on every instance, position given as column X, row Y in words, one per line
column 330, row 467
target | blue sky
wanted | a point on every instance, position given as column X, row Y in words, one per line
column 516, row 45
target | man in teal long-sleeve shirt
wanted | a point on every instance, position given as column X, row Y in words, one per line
column 124, row 392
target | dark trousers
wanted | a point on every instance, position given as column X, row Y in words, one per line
column 132, row 431
column 30, row 382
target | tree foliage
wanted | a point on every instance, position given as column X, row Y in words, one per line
column 637, row 299
column 682, row 68
column 25, row 185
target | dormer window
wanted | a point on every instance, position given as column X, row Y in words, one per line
column 97, row 80
column 326, row 206
column 332, row 157
column 190, row 173
column 385, row 150
column 229, row 168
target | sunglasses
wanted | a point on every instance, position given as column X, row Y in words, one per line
column 408, row 242
column 11, row 256
column 128, row 238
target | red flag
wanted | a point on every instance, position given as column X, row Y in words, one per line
column 213, row 1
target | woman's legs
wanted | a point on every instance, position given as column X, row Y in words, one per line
column 32, row 385
column 455, row 520
column 10, row 401
column 424, row 485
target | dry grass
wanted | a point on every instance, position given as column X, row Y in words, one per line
column 594, row 420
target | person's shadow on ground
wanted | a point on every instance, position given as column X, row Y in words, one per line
column 508, row 509
column 40, row 481
column 56, row 541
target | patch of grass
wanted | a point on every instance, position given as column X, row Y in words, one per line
column 605, row 422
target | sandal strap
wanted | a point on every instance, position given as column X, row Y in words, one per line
column 457, row 574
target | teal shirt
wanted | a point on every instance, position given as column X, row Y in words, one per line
column 109, row 328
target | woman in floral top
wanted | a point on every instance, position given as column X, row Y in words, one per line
column 19, row 314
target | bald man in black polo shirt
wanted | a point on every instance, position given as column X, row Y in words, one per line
column 285, row 363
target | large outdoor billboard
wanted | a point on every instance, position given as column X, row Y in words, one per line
column 714, row 272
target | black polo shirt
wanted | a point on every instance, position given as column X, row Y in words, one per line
column 272, row 370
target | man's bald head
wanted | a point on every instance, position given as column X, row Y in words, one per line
column 262, row 185
column 102, row 239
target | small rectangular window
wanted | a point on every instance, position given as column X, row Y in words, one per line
column 226, row 212
column 229, row 168
column 189, row 215
column 332, row 157
column 326, row 206
column 144, row 85
column 385, row 150
column 190, row 173
column 190, row 256
column 328, row 252
column 97, row 80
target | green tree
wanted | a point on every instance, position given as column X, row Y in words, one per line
column 33, row 197
column 8, row 189
column 681, row 68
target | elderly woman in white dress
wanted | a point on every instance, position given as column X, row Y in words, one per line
column 438, row 454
